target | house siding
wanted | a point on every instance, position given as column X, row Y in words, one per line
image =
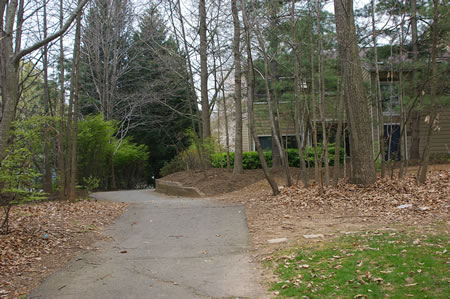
column 440, row 142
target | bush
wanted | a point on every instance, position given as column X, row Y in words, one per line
column 91, row 183
column 250, row 160
column 130, row 163
column 98, row 148
column 19, row 178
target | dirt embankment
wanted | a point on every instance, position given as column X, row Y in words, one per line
column 216, row 181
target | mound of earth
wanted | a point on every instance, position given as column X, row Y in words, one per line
column 216, row 181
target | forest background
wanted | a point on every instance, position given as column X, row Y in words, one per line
column 110, row 94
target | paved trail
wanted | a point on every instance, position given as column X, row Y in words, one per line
column 175, row 248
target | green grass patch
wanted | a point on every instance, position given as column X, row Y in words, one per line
column 370, row 265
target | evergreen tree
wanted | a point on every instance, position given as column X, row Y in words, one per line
column 158, row 79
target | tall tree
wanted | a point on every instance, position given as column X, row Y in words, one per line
column 237, row 90
column 162, row 115
column 105, row 56
column 47, row 179
column 324, row 174
column 271, row 104
column 422, row 171
column 363, row 168
column 379, row 99
column 75, row 94
column 206, row 122
column 61, row 170
column 11, row 53
column 297, row 84
column 250, row 97
column 414, row 152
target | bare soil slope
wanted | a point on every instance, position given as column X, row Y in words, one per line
column 216, row 181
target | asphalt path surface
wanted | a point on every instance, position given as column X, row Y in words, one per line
column 163, row 247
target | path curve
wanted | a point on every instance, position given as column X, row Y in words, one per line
column 164, row 247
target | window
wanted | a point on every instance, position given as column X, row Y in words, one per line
column 288, row 142
column 389, row 97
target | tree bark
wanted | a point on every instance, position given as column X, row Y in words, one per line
column 272, row 117
column 363, row 168
column 422, row 172
column 206, row 123
column 47, row 179
column 317, row 165
column 274, row 42
column 62, row 103
column 378, row 93
column 297, row 83
column 10, row 61
column 414, row 151
column 250, row 97
column 193, row 97
column 9, row 74
column 75, row 88
column 237, row 168
column 337, row 150
column 322, row 98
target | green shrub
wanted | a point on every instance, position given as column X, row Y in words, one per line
column 98, row 147
column 91, row 183
column 250, row 160
column 19, row 178
column 219, row 160
column 130, row 163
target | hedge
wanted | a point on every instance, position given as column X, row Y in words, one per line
column 250, row 160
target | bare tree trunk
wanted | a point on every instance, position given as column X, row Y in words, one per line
column 10, row 60
column 69, row 131
column 75, row 89
column 250, row 96
column 193, row 98
column 378, row 92
column 225, row 114
column 391, row 160
column 363, row 168
column 337, row 150
column 345, row 148
column 284, row 161
column 9, row 73
column 297, row 84
column 238, row 168
column 47, row 179
column 322, row 97
column 62, row 103
column 402, row 142
column 422, row 172
column 227, row 134
column 274, row 43
column 414, row 152
column 317, row 165
column 206, row 123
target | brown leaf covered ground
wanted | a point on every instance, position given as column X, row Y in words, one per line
column 44, row 236
column 300, row 211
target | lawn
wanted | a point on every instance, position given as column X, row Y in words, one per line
column 374, row 264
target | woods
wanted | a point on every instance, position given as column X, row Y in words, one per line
column 317, row 133
column 124, row 92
